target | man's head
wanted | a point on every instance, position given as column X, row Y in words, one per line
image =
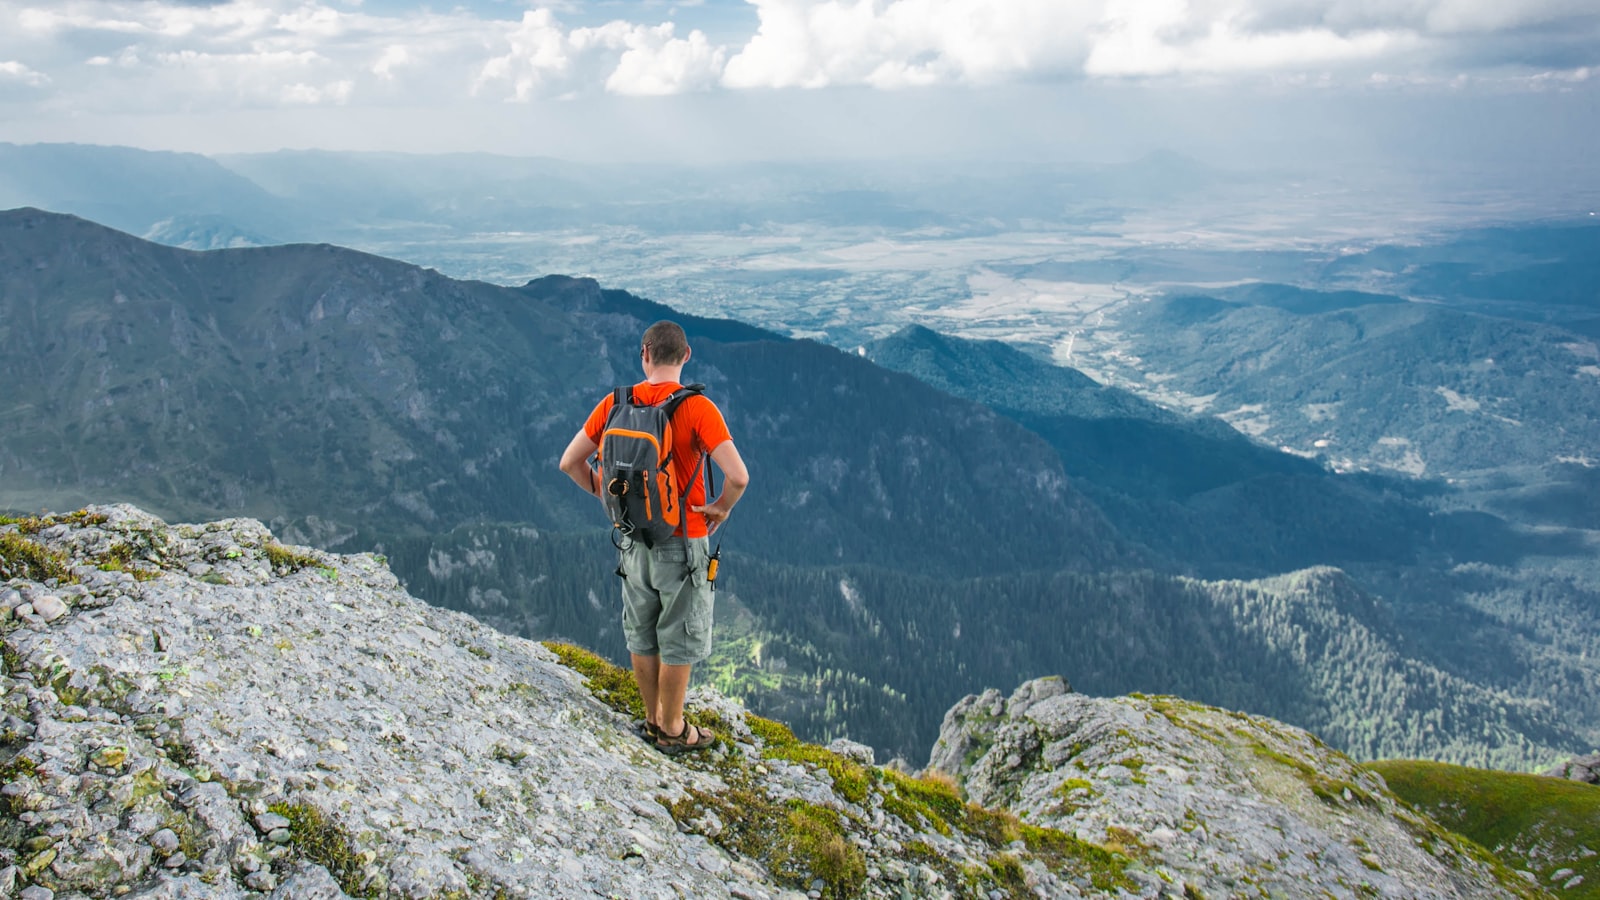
column 665, row 344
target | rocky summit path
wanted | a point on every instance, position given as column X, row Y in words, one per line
column 198, row 711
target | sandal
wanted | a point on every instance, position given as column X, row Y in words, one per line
column 647, row 731
column 672, row 745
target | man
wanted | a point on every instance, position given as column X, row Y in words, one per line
column 666, row 594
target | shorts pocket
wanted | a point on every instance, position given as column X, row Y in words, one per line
column 698, row 624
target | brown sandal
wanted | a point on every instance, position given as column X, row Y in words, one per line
column 672, row 745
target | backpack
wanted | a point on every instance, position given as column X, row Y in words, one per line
column 635, row 467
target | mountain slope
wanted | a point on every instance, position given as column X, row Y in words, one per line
column 1547, row 826
column 302, row 381
column 1418, row 388
column 1199, row 493
column 139, row 190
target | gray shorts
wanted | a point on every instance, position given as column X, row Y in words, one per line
column 667, row 601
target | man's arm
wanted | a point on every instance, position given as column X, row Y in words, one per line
column 735, row 478
column 575, row 462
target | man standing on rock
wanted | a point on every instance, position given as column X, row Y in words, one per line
column 666, row 589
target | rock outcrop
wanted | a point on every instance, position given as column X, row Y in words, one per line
column 1584, row 768
column 1218, row 803
column 198, row 711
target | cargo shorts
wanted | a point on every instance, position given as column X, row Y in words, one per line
column 667, row 600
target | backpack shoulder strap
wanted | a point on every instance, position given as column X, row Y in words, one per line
column 671, row 404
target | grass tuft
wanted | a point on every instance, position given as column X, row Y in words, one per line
column 610, row 684
column 21, row 557
column 851, row 780
column 285, row 560
column 322, row 841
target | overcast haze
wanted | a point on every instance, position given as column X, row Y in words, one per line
column 1469, row 83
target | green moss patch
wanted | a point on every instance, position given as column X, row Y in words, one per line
column 285, row 560
column 610, row 684
column 798, row 842
column 851, row 780
column 322, row 841
column 1510, row 814
column 21, row 557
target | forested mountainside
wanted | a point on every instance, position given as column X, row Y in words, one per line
column 903, row 546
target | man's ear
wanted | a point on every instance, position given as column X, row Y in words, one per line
column 687, row 352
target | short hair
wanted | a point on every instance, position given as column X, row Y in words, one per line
column 666, row 343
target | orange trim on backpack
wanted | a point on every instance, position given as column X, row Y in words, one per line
column 627, row 432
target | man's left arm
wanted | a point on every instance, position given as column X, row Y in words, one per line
column 735, row 478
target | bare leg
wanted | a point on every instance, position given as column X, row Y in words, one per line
column 647, row 674
column 674, row 686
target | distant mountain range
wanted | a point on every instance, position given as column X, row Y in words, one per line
column 908, row 539
column 313, row 195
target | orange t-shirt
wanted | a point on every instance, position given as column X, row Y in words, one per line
column 697, row 427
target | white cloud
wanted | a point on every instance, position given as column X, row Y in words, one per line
column 543, row 58
column 536, row 56
column 394, row 57
column 335, row 93
column 1162, row 37
column 812, row 44
column 11, row 70
column 653, row 61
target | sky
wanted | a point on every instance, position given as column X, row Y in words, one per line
column 1468, row 81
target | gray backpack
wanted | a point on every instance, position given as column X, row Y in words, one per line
column 635, row 467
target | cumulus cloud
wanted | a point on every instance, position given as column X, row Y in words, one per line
column 653, row 61
column 542, row 57
column 821, row 43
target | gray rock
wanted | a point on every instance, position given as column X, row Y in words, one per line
column 268, row 822
column 849, row 749
column 164, row 841
column 1584, row 768
column 35, row 892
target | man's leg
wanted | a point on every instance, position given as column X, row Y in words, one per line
column 647, row 674
column 673, row 684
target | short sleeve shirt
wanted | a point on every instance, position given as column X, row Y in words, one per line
column 697, row 428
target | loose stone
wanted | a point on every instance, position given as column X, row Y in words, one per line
column 268, row 822
column 164, row 841
column 49, row 607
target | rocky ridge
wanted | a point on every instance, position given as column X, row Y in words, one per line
column 199, row 711
column 1224, row 803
